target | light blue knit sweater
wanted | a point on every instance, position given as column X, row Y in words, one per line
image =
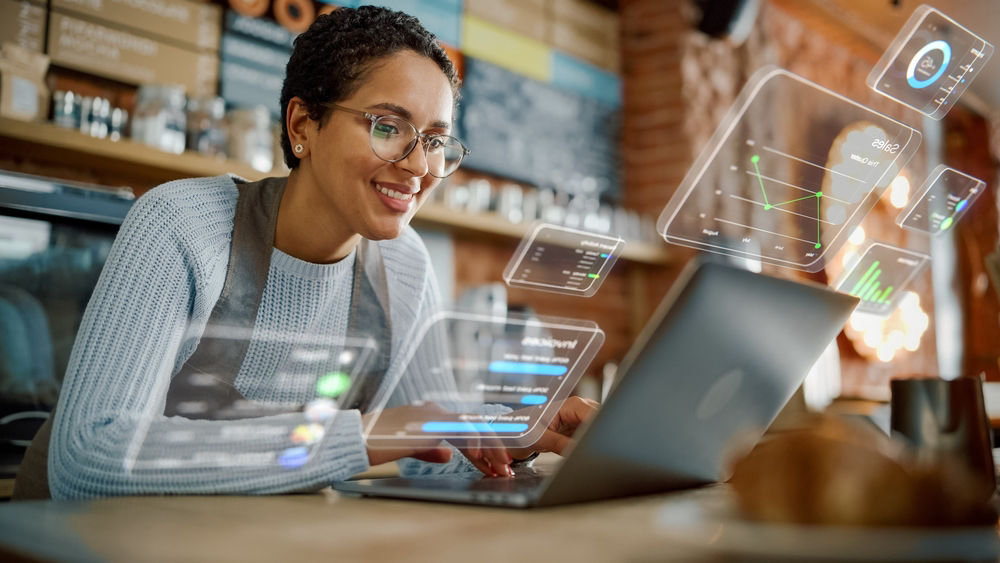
column 148, row 311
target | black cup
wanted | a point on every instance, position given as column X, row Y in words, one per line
column 945, row 419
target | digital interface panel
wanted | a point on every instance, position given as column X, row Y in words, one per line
column 789, row 173
column 563, row 260
column 941, row 201
column 283, row 430
column 881, row 276
column 506, row 377
column 930, row 63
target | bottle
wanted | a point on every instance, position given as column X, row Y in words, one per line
column 206, row 131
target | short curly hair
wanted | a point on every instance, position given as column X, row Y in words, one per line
column 333, row 56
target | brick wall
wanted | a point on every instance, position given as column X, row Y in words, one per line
column 678, row 85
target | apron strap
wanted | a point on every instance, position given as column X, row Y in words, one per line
column 205, row 387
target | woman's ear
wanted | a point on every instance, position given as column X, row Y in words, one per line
column 301, row 129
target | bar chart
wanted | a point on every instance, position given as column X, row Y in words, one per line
column 880, row 276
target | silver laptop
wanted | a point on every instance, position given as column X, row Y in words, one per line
column 720, row 357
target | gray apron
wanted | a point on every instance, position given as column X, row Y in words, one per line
column 246, row 275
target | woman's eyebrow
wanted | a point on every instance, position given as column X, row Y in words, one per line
column 406, row 114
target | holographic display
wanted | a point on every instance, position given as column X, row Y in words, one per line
column 502, row 378
column 789, row 173
column 880, row 277
column 281, row 427
column 563, row 260
column 930, row 63
column 941, row 201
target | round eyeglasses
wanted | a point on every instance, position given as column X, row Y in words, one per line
column 393, row 138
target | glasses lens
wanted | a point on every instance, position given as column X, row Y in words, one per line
column 392, row 137
column 444, row 154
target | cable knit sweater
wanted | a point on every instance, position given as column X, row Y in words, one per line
column 144, row 320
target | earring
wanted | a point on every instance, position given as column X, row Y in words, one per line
column 298, row 148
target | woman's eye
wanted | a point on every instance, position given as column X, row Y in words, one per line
column 385, row 130
column 435, row 143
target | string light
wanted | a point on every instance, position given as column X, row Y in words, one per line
column 899, row 192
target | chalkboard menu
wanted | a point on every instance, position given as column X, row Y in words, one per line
column 533, row 132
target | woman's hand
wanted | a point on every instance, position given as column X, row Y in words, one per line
column 484, row 451
column 557, row 436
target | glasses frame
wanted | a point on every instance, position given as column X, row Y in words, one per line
column 418, row 135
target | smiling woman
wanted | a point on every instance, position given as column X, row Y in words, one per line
column 204, row 360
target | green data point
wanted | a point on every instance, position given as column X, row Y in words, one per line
column 333, row 384
column 818, row 245
column 755, row 159
column 767, row 207
column 819, row 194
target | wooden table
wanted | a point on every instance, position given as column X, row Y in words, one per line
column 328, row 526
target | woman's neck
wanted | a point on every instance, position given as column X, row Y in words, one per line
column 307, row 228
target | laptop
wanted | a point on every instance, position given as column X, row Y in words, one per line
column 718, row 360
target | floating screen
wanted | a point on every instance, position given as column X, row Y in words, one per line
column 942, row 200
column 282, row 429
column 790, row 172
column 498, row 377
column 563, row 260
column 930, row 63
column 881, row 276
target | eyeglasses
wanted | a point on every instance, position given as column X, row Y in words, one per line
column 393, row 138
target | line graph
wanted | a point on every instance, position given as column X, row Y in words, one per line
column 787, row 187
column 767, row 206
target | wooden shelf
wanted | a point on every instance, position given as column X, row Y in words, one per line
column 76, row 149
column 437, row 215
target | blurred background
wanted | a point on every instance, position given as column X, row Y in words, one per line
column 581, row 113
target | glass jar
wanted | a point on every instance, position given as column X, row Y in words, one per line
column 160, row 120
column 206, row 132
column 250, row 139
column 66, row 109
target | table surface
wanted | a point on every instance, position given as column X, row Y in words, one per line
column 693, row 525
column 330, row 526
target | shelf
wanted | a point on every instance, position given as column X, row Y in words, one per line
column 73, row 148
column 437, row 215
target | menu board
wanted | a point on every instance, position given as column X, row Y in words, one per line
column 533, row 132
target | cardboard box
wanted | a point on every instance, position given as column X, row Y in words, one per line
column 23, row 94
column 122, row 55
column 586, row 31
column 528, row 17
column 23, row 23
column 191, row 24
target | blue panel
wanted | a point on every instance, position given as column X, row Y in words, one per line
column 343, row 3
column 243, row 86
column 470, row 427
column 253, row 53
column 258, row 28
column 527, row 368
column 584, row 78
column 441, row 17
column 534, row 399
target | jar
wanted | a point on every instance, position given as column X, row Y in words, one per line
column 206, row 132
column 250, row 139
column 160, row 120
column 66, row 109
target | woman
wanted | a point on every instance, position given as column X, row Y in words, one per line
column 368, row 103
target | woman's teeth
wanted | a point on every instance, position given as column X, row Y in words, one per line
column 393, row 193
